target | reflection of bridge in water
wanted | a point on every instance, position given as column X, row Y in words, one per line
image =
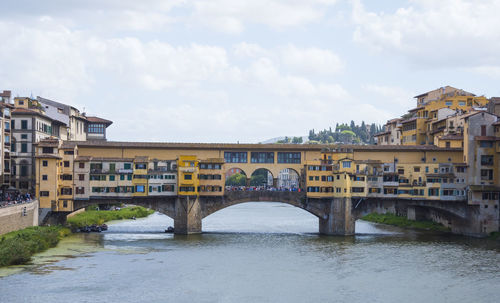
column 336, row 216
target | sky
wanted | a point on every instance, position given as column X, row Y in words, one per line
column 247, row 70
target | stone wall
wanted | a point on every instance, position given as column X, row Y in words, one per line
column 14, row 218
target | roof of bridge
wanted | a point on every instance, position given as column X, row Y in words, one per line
column 252, row 146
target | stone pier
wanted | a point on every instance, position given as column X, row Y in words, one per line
column 338, row 220
column 187, row 215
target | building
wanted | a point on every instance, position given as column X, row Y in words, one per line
column 36, row 119
column 5, row 139
column 421, row 125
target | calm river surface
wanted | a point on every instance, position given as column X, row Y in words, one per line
column 258, row 252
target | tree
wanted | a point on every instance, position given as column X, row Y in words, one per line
column 258, row 180
column 297, row 140
column 237, row 179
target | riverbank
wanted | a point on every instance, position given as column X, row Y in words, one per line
column 98, row 217
column 17, row 247
column 394, row 220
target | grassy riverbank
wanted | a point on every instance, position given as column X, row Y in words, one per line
column 98, row 217
column 17, row 247
column 391, row 219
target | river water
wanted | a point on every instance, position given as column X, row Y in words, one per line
column 258, row 252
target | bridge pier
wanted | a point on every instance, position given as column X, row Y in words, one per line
column 339, row 220
column 187, row 215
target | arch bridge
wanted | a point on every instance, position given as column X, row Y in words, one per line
column 336, row 216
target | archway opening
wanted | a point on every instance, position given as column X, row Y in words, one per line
column 261, row 179
column 236, row 177
column 288, row 179
column 261, row 217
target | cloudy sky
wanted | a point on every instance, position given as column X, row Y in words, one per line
column 246, row 70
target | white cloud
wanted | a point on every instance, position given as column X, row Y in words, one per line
column 232, row 16
column 311, row 60
column 445, row 33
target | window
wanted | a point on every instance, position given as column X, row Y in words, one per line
column 127, row 166
column 66, row 163
column 461, row 103
column 94, row 128
column 81, row 165
column 24, row 147
column 66, row 191
column 47, row 150
column 486, row 144
column 69, row 152
column 81, row 177
column 486, row 174
column 24, row 136
column 44, row 177
column 139, row 188
column 416, row 169
column 122, row 177
column 262, row 157
column 188, row 177
column 112, row 167
column 111, row 177
column 433, row 191
column 24, row 124
column 490, row 196
column 129, row 177
column 67, row 177
column 289, row 157
column 449, row 103
column 236, row 157
column 44, row 193
column 141, row 166
column 346, row 164
column 80, row 190
column 486, row 160
column 45, row 163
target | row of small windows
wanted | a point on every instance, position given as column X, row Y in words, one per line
column 262, row 157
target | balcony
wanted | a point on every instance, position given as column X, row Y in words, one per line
column 125, row 171
column 187, row 169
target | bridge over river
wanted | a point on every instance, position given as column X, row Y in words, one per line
column 336, row 216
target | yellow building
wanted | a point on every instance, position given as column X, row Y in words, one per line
column 188, row 172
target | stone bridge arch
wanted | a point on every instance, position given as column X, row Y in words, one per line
column 296, row 199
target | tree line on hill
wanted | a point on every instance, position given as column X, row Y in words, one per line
column 346, row 134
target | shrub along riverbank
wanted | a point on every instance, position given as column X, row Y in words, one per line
column 17, row 247
column 391, row 219
column 98, row 217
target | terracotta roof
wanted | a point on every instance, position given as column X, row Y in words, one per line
column 213, row 160
column 409, row 120
column 247, row 146
column 111, row 159
column 382, row 133
column 83, row 158
column 486, row 138
column 452, row 137
column 484, row 188
column 5, row 93
column 99, row 120
column 48, row 156
column 496, row 123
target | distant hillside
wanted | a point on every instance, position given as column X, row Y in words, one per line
column 285, row 138
column 346, row 134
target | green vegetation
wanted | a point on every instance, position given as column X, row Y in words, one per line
column 293, row 140
column 495, row 235
column 237, row 179
column 346, row 134
column 98, row 217
column 17, row 247
column 391, row 219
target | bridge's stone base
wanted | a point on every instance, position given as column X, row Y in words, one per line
column 339, row 220
column 187, row 218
